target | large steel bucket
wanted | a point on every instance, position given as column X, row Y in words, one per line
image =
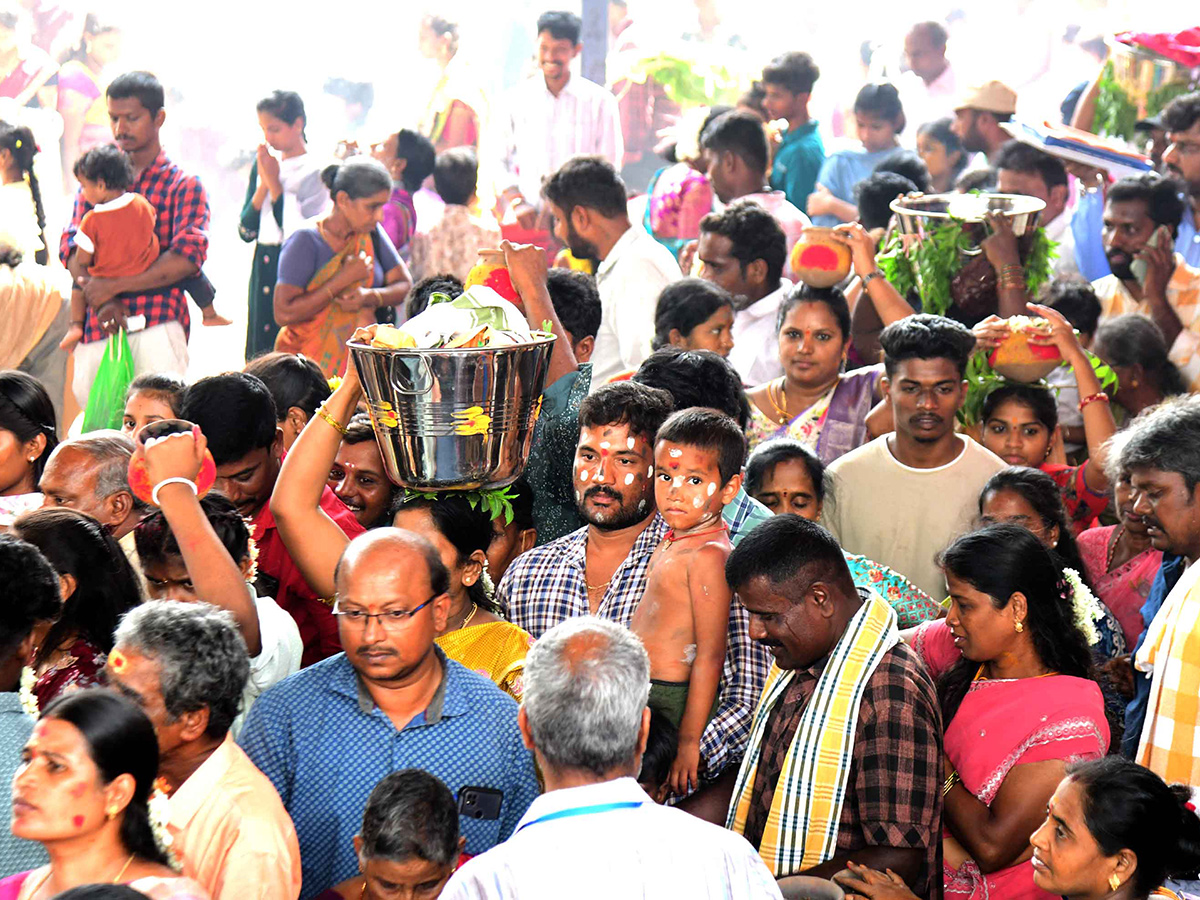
column 457, row 419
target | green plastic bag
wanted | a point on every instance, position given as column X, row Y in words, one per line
column 106, row 399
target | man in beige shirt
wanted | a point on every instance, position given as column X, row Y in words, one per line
column 901, row 498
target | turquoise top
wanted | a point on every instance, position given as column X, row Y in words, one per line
column 797, row 163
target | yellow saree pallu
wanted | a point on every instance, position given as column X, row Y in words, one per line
column 802, row 827
column 495, row 650
column 323, row 337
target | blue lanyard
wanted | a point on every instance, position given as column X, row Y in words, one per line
column 584, row 811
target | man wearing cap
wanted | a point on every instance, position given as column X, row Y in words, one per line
column 978, row 115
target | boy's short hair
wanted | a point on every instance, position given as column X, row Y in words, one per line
column 795, row 72
column 106, row 163
column 707, row 429
column 563, row 26
column 1076, row 299
column 418, row 297
column 236, row 413
column 662, row 743
column 456, row 175
column 875, row 195
column 923, row 336
column 576, row 302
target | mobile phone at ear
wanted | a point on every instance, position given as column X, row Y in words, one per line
column 480, row 802
column 1138, row 266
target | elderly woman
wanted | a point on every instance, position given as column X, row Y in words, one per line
column 333, row 276
column 409, row 844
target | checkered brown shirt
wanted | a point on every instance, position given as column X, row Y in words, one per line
column 894, row 789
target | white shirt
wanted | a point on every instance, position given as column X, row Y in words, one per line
column 540, row 132
column 629, row 279
column 927, row 102
column 755, row 353
column 645, row 851
column 1060, row 232
column 278, row 658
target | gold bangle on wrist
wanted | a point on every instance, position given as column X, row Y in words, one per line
column 951, row 780
column 324, row 414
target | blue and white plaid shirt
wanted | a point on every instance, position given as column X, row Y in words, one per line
column 546, row 586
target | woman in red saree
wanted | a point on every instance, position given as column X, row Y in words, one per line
column 333, row 277
column 1018, row 703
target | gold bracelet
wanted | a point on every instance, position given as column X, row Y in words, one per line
column 951, row 780
column 324, row 414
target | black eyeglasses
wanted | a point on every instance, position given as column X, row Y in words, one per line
column 390, row 620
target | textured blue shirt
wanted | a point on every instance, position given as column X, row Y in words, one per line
column 16, row 854
column 842, row 172
column 325, row 745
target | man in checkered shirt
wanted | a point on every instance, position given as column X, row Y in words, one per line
column 135, row 108
column 601, row 568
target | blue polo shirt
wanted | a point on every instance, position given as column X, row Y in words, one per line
column 324, row 744
column 797, row 163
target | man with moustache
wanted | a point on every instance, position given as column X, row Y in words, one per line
column 1161, row 453
column 1141, row 218
column 587, row 199
column 845, row 757
column 601, row 568
column 392, row 700
column 1180, row 153
column 135, row 107
column 901, row 498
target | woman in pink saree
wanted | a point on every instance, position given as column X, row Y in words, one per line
column 83, row 791
column 1018, row 704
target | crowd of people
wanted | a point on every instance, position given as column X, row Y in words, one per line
column 796, row 596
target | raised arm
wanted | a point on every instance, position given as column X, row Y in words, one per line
column 527, row 268
column 888, row 303
column 214, row 573
column 314, row 540
column 1098, row 422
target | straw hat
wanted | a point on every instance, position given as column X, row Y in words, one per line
column 991, row 96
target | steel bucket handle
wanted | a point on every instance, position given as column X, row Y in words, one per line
column 402, row 387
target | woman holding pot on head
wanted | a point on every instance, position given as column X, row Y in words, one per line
column 334, row 275
column 285, row 191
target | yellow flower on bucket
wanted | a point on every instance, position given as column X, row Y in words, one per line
column 474, row 421
column 388, row 418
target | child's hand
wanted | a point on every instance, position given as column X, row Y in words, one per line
column 175, row 456
column 685, row 770
column 73, row 336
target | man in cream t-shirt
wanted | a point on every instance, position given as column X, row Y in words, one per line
column 903, row 497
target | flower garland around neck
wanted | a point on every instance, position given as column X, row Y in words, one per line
column 1086, row 607
column 159, row 806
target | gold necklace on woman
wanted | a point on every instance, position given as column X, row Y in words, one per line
column 116, row 880
column 779, row 385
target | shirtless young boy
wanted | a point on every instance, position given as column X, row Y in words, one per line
column 684, row 615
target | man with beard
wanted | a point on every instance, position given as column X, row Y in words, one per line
column 587, row 199
column 978, row 115
column 1181, row 120
column 1141, row 218
column 901, row 498
column 550, row 118
column 743, row 250
column 1161, row 453
column 601, row 568
column 155, row 296
column 392, row 700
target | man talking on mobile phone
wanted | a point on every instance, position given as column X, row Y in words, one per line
column 1141, row 219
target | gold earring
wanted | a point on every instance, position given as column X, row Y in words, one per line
column 111, row 813
column 1018, row 626
column 1114, row 882
column 1133, row 383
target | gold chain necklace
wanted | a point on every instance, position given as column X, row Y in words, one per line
column 49, row 872
column 778, row 385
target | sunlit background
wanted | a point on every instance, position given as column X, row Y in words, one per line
column 217, row 59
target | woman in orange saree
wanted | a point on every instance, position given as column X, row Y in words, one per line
column 334, row 275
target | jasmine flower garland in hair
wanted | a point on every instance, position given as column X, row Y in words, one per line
column 28, row 699
column 159, row 807
column 1087, row 608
